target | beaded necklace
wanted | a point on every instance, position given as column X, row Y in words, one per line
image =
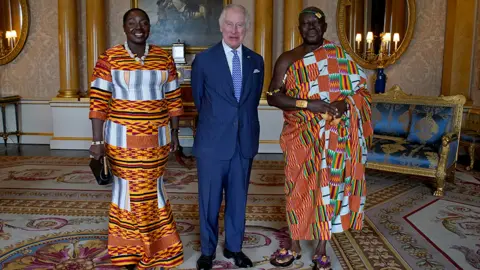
column 134, row 56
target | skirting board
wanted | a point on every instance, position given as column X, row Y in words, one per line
column 65, row 125
column 71, row 127
column 70, row 143
column 35, row 121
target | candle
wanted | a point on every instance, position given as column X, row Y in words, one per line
column 386, row 39
column 14, row 37
column 14, row 33
column 11, row 36
column 396, row 39
column 8, row 35
column 369, row 39
column 358, row 39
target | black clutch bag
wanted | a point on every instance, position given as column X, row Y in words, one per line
column 100, row 170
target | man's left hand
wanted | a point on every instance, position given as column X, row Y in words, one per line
column 175, row 143
column 342, row 107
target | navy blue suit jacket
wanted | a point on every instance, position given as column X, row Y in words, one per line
column 223, row 121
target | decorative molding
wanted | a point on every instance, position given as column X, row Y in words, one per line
column 36, row 133
column 269, row 142
column 73, row 106
column 71, row 138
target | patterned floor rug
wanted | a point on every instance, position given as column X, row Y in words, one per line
column 54, row 216
column 475, row 173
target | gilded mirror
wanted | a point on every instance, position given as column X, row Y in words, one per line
column 14, row 20
column 375, row 32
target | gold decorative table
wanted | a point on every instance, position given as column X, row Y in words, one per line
column 4, row 101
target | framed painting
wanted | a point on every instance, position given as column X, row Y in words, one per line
column 193, row 22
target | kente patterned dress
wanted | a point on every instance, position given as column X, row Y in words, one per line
column 136, row 101
column 325, row 164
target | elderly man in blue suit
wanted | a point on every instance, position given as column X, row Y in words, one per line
column 227, row 82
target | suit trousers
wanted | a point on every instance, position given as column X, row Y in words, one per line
column 214, row 177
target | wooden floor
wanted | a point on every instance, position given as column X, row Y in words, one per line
column 40, row 150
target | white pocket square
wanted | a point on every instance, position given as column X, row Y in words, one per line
column 256, row 71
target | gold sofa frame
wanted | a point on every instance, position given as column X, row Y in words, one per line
column 397, row 96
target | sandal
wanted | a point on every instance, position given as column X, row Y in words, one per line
column 284, row 257
column 322, row 263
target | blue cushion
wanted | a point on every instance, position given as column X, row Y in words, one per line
column 470, row 136
column 391, row 119
column 452, row 153
column 403, row 154
column 429, row 124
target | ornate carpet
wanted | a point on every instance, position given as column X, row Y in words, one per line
column 54, row 216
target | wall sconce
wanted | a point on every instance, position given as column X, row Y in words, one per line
column 381, row 57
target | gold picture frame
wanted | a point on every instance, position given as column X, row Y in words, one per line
column 22, row 38
column 343, row 20
column 188, row 49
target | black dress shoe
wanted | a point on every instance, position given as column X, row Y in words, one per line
column 205, row 262
column 241, row 260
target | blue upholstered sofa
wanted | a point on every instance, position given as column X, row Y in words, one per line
column 416, row 135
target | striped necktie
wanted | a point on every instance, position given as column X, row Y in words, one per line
column 236, row 74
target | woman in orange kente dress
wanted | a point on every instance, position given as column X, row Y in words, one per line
column 135, row 94
column 324, row 139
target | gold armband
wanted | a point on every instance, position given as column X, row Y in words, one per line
column 301, row 104
column 274, row 91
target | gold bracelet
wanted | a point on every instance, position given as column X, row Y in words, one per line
column 301, row 104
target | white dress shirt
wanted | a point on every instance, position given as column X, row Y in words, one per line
column 229, row 54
